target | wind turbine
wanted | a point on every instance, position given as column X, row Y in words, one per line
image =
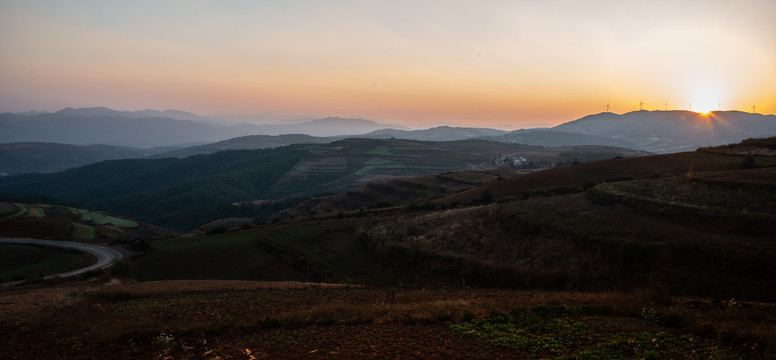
column 689, row 107
column 719, row 106
column 607, row 107
column 666, row 105
column 641, row 105
column 754, row 107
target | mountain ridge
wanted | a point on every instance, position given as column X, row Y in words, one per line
column 674, row 130
column 100, row 125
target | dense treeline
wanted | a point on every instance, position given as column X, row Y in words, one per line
column 180, row 193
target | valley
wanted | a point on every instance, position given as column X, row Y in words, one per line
column 570, row 251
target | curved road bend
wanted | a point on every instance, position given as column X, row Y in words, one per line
column 105, row 256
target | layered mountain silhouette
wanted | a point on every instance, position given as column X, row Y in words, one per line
column 186, row 134
column 150, row 128
column 52, row 157
column 674, row 131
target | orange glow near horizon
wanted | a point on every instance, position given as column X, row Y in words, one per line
column 463, row 62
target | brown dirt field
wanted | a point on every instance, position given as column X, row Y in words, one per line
column 33, row 228
column 7, row 209
column 264, row 320
column 23, row 301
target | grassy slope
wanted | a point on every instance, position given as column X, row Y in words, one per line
column 225, row 256
column 43, row 221
column 26, row 262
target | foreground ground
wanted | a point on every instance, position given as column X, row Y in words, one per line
column 250, row 320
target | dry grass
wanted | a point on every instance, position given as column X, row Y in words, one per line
column 283, row 319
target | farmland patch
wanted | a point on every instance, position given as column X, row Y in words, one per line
column 122, row 223
column 380, row 150
column 36, row 212
column 22, row 210
column 86, row 216
column 83, row 232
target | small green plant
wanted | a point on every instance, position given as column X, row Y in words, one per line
column 164, row 340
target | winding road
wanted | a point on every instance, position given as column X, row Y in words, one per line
column 105, row 256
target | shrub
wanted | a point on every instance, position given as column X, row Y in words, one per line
column 749, row 162
column 121, row 269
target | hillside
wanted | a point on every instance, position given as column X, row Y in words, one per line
column 249, row 142
column 186, row 193
column 50, row 157
column 59, row 222
column 606, row 225
column 552, row 138
column 661, row 256
column 674, row 131
column 439, row 133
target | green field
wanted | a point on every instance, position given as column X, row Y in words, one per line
column 86, row 216
column 22, row 210
column 99, row 219
column 367, row 169
column 18, row 262
column 122, row 223
column 83, row 232
column 379, row 150
column 36, row 212
column 379, row 161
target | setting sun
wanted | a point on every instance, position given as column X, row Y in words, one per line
column 705, row 107
column 706, row 100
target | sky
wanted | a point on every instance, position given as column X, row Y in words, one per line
column 507, row 64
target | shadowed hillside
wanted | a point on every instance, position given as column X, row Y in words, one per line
column 189, row 192
column 696, row 224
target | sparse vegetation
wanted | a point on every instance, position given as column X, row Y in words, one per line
column 285, row 320
column 672, row 263
column 21, row 262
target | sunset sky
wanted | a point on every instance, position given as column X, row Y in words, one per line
column 474, row 63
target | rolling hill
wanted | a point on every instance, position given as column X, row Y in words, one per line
column 553, row 138
column 51, row 157
column 674, row 131
column 250, row 142
column 59, row 222
column 695, row 223
column 185, row 193
column 653, row 256
column 439, row 133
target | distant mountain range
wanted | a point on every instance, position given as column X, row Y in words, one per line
column 151, row 128
column 186, row 134
column 439, row 133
